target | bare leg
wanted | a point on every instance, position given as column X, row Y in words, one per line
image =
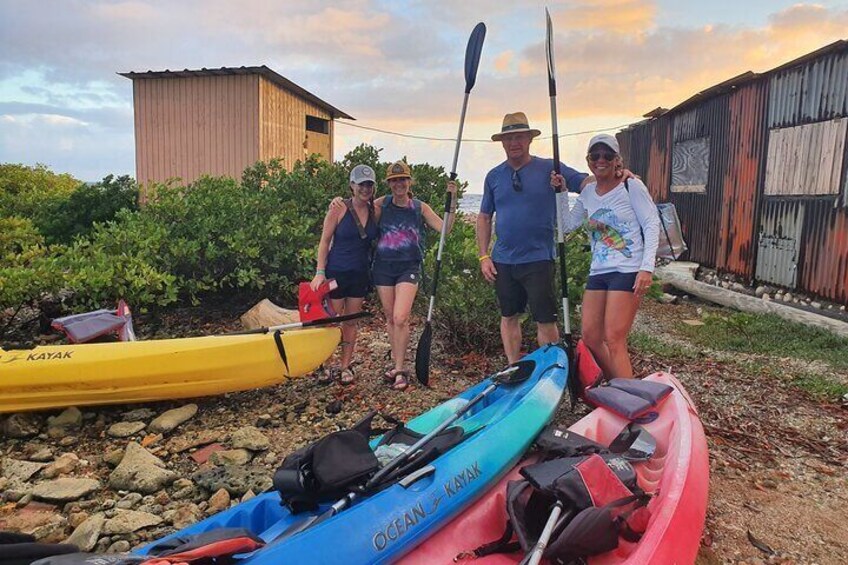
column 593, row 314
column 511, row 337
column 387, row 299
column 620, row 312
column 349, row 329
column 547, row 333
column 404, row 297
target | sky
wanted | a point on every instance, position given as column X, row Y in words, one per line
column 392, row 65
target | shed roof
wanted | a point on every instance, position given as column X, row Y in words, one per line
column 749, row 76
column 262, row 70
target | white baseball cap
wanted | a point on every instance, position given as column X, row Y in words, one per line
column 606, row 139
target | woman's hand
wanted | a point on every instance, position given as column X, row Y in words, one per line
column 337, row 204
column 317, row 281
column 644, row 280
column 452, row 188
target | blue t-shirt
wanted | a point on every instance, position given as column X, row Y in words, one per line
column 525, row 224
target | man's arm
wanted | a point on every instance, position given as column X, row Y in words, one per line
column 484, row 238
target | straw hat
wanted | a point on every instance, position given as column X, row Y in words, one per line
column 515, row 123
column 398, row 170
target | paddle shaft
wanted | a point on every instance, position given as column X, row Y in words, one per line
column 448, row 209
column 308, row 324
column 561, row 250
column 535, row 555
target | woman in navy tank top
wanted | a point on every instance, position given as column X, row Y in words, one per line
column 344, row 254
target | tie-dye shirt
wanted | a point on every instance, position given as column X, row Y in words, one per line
column 401, row 232
column 616, row 223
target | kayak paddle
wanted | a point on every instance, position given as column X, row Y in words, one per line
column 309, row 324
column 472, row 61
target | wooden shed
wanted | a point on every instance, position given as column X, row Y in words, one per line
column 218, row 121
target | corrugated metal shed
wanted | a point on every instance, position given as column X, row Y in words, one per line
column 790, row 228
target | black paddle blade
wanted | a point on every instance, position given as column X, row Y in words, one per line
column 472, row 55
column 422, row 355
column 549, row 53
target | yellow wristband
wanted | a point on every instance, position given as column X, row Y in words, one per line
column 484, row 257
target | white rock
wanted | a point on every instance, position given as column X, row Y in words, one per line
column 172, row 418
column 86, row 534
column 760, row 291
column 766, row 297
column 787, row 297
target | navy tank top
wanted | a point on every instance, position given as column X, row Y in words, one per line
column 401, row 232
column 351, row 252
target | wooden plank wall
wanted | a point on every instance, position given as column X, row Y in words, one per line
column 282, row 131
column 806, row 160
column 194, row 126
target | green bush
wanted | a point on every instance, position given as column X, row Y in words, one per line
column 75, row 215
column 32, row 192
column 27, row 269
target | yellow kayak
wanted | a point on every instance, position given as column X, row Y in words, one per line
column 56, row 376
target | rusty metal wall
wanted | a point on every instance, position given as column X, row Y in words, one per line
column 745, row 144
column 816, row 91
column 700, row 213
column 824, row 253
column 808, row 93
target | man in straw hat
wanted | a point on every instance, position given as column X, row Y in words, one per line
column 521, row 263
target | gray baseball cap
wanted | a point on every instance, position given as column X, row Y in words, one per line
column 605, row 138
column 362, row 173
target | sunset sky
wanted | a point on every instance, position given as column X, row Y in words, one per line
column 393, row 65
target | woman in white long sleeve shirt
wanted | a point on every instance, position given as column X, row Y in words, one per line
column 623, row 224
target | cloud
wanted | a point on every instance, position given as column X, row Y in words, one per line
column 630, row 17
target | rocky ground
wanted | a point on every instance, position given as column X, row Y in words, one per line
column 111, row 478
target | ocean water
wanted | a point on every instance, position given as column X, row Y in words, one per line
column 471, row 202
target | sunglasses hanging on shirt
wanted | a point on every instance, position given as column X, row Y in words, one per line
column 516, row 181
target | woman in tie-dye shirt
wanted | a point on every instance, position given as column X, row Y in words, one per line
column 397, row 261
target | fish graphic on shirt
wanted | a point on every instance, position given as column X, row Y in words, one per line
column 604, row 227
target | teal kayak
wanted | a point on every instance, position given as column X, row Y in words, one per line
column 382, row 527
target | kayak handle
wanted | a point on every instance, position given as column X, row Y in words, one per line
column 416, row 476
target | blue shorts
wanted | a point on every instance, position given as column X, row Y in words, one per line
column 612, row 281
column 390, row 273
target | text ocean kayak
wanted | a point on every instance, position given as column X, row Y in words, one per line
column 56, row 376
column 381, row 527
column 678, row 474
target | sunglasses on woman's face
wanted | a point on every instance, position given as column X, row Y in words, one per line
column 516, row 182
column 596, row 156
column 366, row 184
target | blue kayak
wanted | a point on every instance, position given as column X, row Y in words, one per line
column 382, row 527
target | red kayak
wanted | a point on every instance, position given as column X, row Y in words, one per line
column 678, row 474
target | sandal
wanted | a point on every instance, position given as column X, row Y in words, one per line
column 328, row 375
column 401, row 380
column 390, row 375
column 347, row 376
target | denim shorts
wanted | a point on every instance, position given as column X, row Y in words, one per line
column 612, row 281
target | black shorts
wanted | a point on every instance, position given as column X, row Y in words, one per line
column 516, row 285
column 390, row 273
column 352, row 284
column 612, row 281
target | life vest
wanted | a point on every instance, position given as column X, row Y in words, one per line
column 596, row 487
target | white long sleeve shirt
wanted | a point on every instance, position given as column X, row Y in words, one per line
column 616, row 223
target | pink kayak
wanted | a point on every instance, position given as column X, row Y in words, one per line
column 678, row 474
